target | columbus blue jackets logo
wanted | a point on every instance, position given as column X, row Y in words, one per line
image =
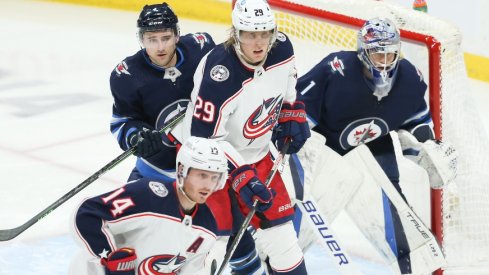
column 170, row 111
column 262, row 119
column 281, row 37
column 219, row 73
column 362, row 131
column 158, row 188
column 122, row 68
column 161, row 264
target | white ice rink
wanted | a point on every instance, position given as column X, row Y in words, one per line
column 55, row 109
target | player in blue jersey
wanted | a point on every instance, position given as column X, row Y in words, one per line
column 244, row 88
column 153, row 85
column 358, row 97
column 154, row 227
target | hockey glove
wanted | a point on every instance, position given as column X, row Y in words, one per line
column 147, row 142
column 292, row 123
column 245, row 182
column 438, row 158
column 120, row 262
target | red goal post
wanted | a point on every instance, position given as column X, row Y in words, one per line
column 459, row 212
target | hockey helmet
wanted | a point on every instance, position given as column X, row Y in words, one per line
column 157, row 17
column 253, row 16
column 204, row 154
column 379, row 46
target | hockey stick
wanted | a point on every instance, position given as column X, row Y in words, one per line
column 250, row 215
column 8, row 234
column 318, row 223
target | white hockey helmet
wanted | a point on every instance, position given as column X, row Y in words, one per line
column 381, row 37
column 253, row 16
column 204, row 154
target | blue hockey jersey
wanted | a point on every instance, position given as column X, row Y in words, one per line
column 341, row 106
column 147, row 96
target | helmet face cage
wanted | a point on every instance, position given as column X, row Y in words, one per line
column 204, row 154
column 158, row 17
column 379, row 45
column 253, row 16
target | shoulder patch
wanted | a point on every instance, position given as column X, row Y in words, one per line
column 122, row 68
column 200, row 38
column 219, row 73
column 281, row 37
column 158, row 188
column 337, row 65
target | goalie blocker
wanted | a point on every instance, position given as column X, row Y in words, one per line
column 357, row 184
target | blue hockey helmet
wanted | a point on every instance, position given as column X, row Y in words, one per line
column 157, row 17
column 379, row 46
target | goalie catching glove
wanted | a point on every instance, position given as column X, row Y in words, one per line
column 120, row 262
column 246, row 183
column 438, row 158
column 292, row 123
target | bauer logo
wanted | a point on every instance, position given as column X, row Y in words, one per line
column 322, row 230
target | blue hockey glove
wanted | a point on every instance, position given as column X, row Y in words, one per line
column 245, row 182
column 292, row 123
column 120, row 262
column 147, row 142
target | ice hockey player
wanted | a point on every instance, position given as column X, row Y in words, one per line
column 243, row 88
column 355, row 98
column 154, row 227
column 152, row 86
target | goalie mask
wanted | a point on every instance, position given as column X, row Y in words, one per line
column 253, row 16
column 204, row 154
column 157, row 17
column 379, row 45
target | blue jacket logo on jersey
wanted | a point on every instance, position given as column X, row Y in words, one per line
column 158, row 188
column 161, row 264
column 262, row 119
column 219, row 73
column 362, row 131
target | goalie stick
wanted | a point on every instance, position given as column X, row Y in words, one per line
column 8, row 234
column 322, row 230
column 250, row 215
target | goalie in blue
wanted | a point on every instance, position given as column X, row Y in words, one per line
column 358, row 97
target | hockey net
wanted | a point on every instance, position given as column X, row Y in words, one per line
column 460, row 212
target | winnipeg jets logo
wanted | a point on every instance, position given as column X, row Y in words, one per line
column 262, row 119
column 201, row 39
column 170, row 111
column 122, row 68
column 337, row 65
column 161, row 264
column 362, row 131
column 219, row 73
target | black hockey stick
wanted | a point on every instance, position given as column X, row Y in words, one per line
column 250, row 215
column 8, row 234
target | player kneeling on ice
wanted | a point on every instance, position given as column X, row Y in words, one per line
column 152, row 227
column 355, row 98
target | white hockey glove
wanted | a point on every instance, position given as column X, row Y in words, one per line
column 438, row 158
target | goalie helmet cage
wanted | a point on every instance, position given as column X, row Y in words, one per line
column 460, row 212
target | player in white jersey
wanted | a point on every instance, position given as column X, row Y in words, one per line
column 243, row 88
column 151, row 227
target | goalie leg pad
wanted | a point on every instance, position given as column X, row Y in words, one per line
column 420, row 240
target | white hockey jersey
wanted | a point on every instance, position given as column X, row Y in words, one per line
column 239, row 104
column 146, row 216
